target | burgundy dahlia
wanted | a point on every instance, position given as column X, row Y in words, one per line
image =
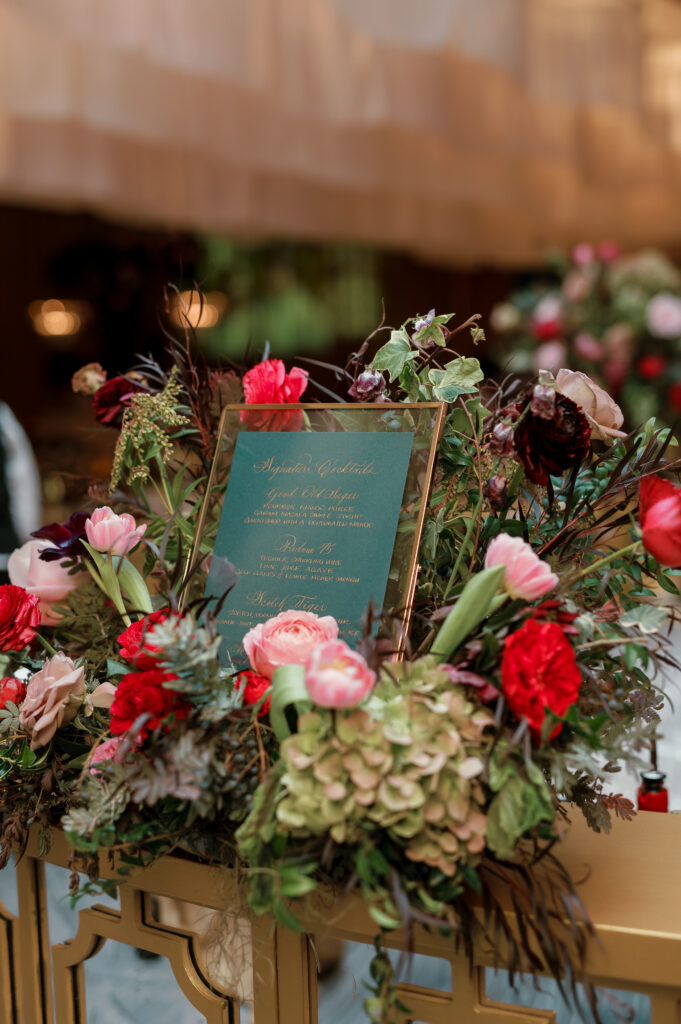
column 109, row 401
column 65, row 538
column 547, row 447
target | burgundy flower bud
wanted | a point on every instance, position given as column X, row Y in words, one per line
column 547, row 447
column 368, row 387
column 501, row 440
column 109, row 401
column 543, row 402
column 495, row 491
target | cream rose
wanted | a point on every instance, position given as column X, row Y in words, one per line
column 53, row 696
column 50, row 582
column 604, row 415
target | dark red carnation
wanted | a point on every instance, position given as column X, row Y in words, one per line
column 11, row 690
column 674, row 396
column 144, row 693
column 19, row 617
column 539, row 672
column 651, row 366
column 252, row 687
column 109, row 401
column 547, row 447
column 134, row 641
column 65, row 538
column 268, row 383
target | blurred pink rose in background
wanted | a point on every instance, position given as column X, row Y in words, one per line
column 287, row 639
column 583, row 254
column 337, row 676
column 527, row 576
column 663, row 315
column 108, row 532
column 549, row 356
column 588, row 347
column 50, row 582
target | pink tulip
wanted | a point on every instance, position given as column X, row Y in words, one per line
column 659, row 514
column 337, row 676
column 287, row 639
column 111, row 533
column 50, row 582
column 527, row 576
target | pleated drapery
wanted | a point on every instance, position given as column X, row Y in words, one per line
column 464, row 130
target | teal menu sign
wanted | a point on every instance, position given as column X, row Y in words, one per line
column 308, row 522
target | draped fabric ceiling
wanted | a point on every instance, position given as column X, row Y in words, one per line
column 466, row 131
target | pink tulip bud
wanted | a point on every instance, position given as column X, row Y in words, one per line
column 337, row 676
column 108, row 532
column 527, row 576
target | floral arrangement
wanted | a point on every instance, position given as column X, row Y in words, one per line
column 532, row 673
column 615, row 317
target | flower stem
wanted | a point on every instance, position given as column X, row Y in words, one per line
column 46, row 644
column 600, row 562
column 469, row 529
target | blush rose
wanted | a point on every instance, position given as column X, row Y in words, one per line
column 53, row 696
column 604, row 415
column 50, row 582
column 287, row 639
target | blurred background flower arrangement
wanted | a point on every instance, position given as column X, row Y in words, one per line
column 615, row 316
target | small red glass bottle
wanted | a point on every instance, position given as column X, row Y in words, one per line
column 652, row 794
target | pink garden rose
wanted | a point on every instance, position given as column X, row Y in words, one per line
column 588, row 347
column 287, row 639
column 527, row 576
column 50, row 582
column 337, row 676
column 53, row 696
column 109, row 532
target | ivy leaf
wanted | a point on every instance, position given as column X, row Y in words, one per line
column 392, row 357
column 431, row 332
column 459, row 377
column 647, row 617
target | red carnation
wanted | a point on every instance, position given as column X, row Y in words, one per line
column 252, row 687
column 674, row 396
column 651, row 366
column 539, row 672
column 19, row 617
column 268, row 383
column 135, row 647
column 109, row 401
column 11, row 690
column 144, row 693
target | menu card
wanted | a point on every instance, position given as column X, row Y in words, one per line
column 308, row 523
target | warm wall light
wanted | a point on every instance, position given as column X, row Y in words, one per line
column 194, row 310
column 57, row 318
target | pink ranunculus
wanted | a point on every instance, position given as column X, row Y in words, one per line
column 109, row 532
column 663, row 315
column 53, row 696
column 588, row 347
column 549, row 356
column 268, row 383
column 287, row 639
column 659, row 515
column 338, row 677
column 527, row 576
column 50, row 582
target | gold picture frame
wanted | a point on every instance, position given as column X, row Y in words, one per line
column 424, row 420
